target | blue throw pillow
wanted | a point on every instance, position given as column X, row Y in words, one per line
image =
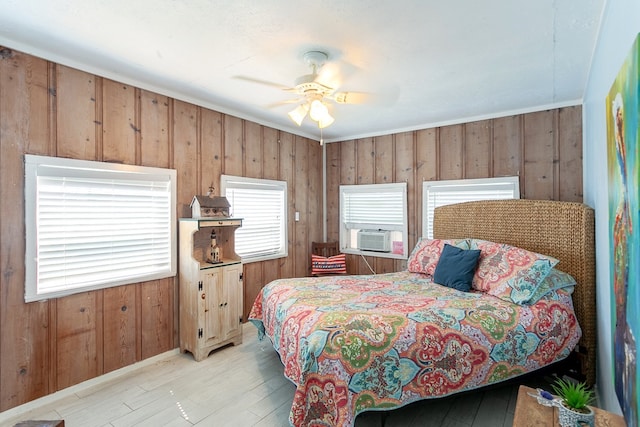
column 456, row 267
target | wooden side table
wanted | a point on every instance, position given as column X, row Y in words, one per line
column 529, row 413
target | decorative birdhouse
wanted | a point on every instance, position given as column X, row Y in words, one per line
column 209, row 207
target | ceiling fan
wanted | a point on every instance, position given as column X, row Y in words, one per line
column 314, row 93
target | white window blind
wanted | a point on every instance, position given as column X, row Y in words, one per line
column 440, row 193
column 92, row 225
column 262, row 205
column 374, row 207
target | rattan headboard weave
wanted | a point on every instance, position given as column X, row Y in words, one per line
column 563, row 230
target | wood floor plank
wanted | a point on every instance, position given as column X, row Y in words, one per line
column 278, row 418
column 275, row 399
column 234, row 413
column 491, row 412
column 96, row 415
column 465, row 407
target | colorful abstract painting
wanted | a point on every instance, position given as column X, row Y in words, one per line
column 624, row 230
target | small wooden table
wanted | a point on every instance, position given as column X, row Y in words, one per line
column 529, row 413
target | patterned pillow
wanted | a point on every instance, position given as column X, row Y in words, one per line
column 424, row 257
column 554, row 281
column 509, row 272
column 336, row 264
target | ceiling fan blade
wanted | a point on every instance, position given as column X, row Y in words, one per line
column 352, row 97
column 335, row 72
column 264, row 83
column 386, row 97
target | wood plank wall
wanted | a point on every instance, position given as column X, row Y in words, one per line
column 543, row 148
column 49, row 109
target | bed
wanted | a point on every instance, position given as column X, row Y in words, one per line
column 357, row 343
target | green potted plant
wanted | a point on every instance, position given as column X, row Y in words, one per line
column 573, row 405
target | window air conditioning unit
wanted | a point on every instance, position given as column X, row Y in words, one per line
column 374, row 240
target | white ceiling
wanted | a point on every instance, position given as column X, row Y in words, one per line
column 423, row 63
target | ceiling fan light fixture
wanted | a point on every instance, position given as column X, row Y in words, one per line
column 325, row 121
column 318, row 110
column 299, row 113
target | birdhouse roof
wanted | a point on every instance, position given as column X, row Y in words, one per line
column 211, row 202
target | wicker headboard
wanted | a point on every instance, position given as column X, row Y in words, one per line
column 563, row 230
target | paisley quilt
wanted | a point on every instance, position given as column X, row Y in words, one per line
column 357, row 343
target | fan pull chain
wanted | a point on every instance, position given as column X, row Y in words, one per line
column 321, row 140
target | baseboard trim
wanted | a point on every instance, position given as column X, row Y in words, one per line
column 50, row 398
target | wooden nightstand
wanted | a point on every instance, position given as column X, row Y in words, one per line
column 530, row 413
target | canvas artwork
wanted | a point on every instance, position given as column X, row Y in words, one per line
column 624, row 229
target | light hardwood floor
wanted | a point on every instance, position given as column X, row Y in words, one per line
column 243, row 386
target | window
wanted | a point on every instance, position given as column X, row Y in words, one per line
column 92, row 225
column 373, row 220
column 440, row 193
column 262, row 204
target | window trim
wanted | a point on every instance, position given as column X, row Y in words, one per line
column 57, row 166
column 260, row 183
column 513, row 181
column 375, row 188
